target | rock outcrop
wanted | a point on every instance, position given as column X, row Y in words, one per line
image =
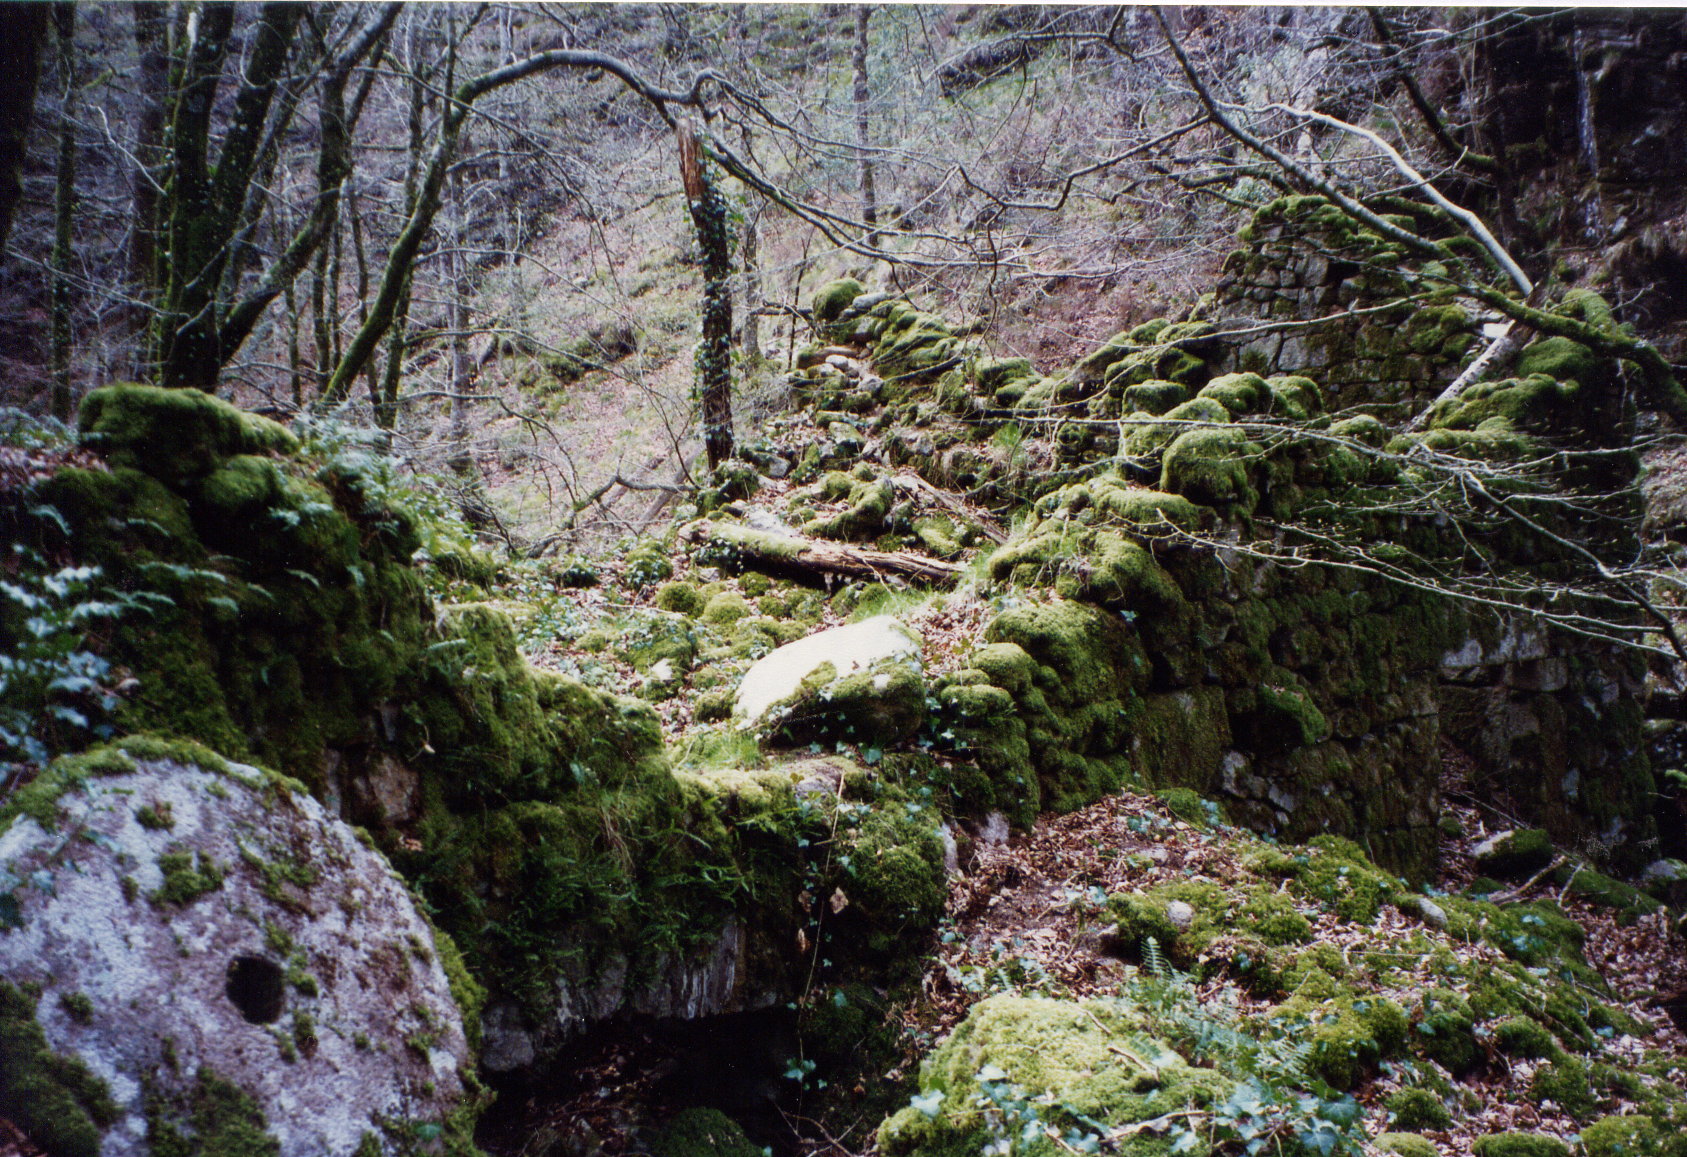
column 228, row 965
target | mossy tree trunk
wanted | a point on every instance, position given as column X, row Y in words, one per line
column 714, row 238
column 210, row 208
column 64, row 213
column 20, row 63
column 202, row 217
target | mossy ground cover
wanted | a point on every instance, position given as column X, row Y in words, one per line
column 1299, row 954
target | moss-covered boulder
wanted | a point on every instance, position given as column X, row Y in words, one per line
column 262, row 946
column 1084, row 1064
column 1513, row 854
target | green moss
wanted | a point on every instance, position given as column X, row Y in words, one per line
column 1240, row 394
column 1154, row 398
column 880, row 706
column 1565, row 1083
column 1145, row 509
column 1068, row 1056
column 713, row 706
column 1562, row 360
column 726, row 608
column 1586, row 884
column 702, row 1133
column 210, row 1118
column 1148, row 439
column 77, row 1006
column 1525, row 403
column 1518, row 1036
column 1637, row 1136
column 157, row 819
column 647, row 564
column 187, row 876
column 1443, row 1030
column 1212, row 467
column 1189, row 807
column 1294, row 397
column 680, row 597
column 1362, row 428
column 1519, row 1145
column 866, row 515
column 1516, row 854
column 994, row 373
column 175, row 434
column 833, row 298
column 55, row 1099
column 1415, row 1109
column 895, row 868
column 1405, row 1145
column 1349, row 1035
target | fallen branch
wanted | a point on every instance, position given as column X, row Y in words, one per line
column 918, row 485
column 760, row 550
column 1517, row 893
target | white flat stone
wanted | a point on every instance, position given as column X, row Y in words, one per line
column 856, row 647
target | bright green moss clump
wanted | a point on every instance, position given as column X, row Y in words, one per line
column 1084, row 1059
column 1406, row 1145
column 1637, row 1136
column 1415, row 1109
column 55, row 1099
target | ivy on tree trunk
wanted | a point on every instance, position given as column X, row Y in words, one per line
column 714, row 237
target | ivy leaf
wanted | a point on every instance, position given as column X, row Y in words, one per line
column 928, row 1104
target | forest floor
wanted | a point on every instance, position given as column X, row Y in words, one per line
column 1018, row 920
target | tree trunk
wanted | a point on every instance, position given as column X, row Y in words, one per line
column 750, row 341
column 714, row 352
column 20, row 64
column 151, row 42
column 869, row 200
column 206, row 200
column 63, row 403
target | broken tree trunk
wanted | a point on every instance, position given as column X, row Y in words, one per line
column 760, row 550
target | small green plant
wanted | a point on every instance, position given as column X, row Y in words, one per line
column 55, row 693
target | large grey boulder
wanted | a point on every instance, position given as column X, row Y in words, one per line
column 862, row 683
column 231, row 963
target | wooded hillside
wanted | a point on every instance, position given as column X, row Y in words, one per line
column 907, row 580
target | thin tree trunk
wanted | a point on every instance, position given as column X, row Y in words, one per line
column 152, row 23
column 750, row 342
column 714, row 238
column 63, row 402
column 863, row 142
column 20, row 69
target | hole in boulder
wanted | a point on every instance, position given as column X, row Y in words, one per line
column 255, row 986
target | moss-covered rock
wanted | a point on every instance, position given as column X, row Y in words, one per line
column 1087, row 1062
column 175, row 435
column 702, row 1133
column 831, row 299
column 1417, row 1109
column 1513, row 855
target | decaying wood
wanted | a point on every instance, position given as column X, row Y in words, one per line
column 769, row 552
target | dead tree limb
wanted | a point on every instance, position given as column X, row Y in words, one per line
column 817, row 558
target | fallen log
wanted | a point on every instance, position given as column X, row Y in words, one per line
column 761, row 550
